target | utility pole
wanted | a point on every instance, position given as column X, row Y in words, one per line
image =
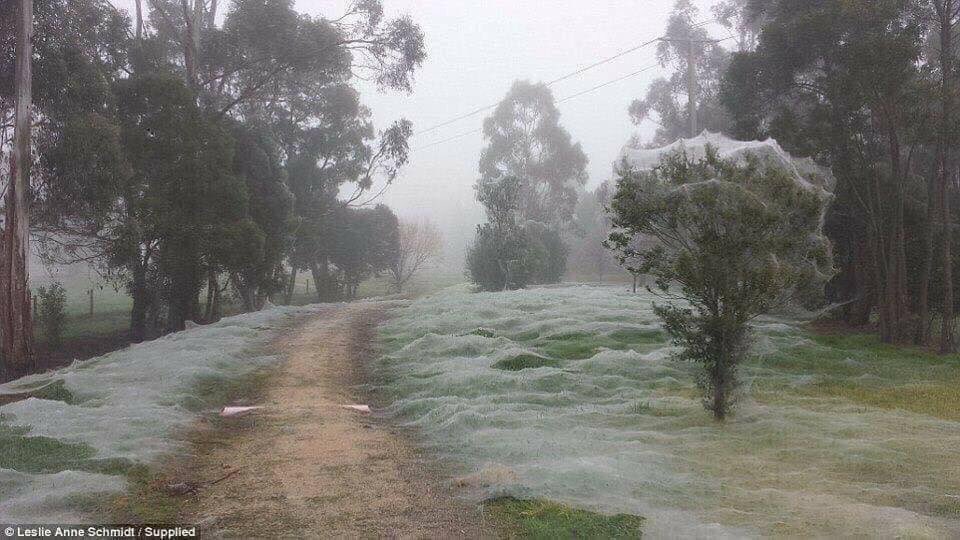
column 15, row 298
column 692, row 87
column 692, row 84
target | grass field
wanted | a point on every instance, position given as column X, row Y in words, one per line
column 574, row 392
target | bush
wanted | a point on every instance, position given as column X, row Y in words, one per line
column 495, row 260
column 512, row 259
column 52, row 302
column 734, row 240
column 546, row 254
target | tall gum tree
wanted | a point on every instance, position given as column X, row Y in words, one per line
column 525, row 140
column 16, row 334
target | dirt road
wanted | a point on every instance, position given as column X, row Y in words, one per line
column 310, row 468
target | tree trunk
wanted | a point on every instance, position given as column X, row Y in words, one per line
column 17, row 333
column 318, row 279
column 291, row 285
column 139, row 22
column 864, row 285
column 946, row 329
column 247, row 295
column 189, row 41
column 326, row 291
column 216, row 312
column 895, row 293
column 923, row 301
column 211, row 19
column 880, row 287
column 211, row 312
column 946, row 72
column 141, row 300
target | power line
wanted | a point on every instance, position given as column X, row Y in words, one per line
column 558, row 79
column 608, row 83
column 448, row 139
column 561, row 100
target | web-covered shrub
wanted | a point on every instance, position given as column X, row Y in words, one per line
column 733, row 239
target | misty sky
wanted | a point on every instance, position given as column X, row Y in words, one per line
column 476, row 49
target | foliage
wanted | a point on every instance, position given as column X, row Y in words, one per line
column 546, row 254
column 207, row 151
column 52, row 302
column 512, row 258
column 526, row 141
column 508, row 253
column 591, row 225
column 737, row 240
column 494, row 260
column 519, row 518
column 858, row 85
column 530, row 173
column 667, row 97
column 252, row 250
column 365, row 243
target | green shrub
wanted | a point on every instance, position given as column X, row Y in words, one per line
column 495, row 261
column 507, row 259
column 52, row 302
column 733, row 239
column 546, row 254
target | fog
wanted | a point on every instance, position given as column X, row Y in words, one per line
column 475, row 52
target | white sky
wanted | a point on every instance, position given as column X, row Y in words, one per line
column 476, row 49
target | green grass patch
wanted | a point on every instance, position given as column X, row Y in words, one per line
column 99, row 324
column 861, row 369
column 55, row 391
column 52, row 391
column 214, row 391
column 635, row 336
column 940, row 400
column 46, row 455
column 572, row 346
column 536, row 518
column 39, row 455
column 525, row 361
column 582, row 345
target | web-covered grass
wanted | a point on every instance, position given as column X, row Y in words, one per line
column 86, row 429
column 575, row 391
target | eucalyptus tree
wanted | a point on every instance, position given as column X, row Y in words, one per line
column 364, row 243
column 528, row 149
column 46, row 71
column 251, row 249
column 668, row 98
column 526, row 141
column 843, row 81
